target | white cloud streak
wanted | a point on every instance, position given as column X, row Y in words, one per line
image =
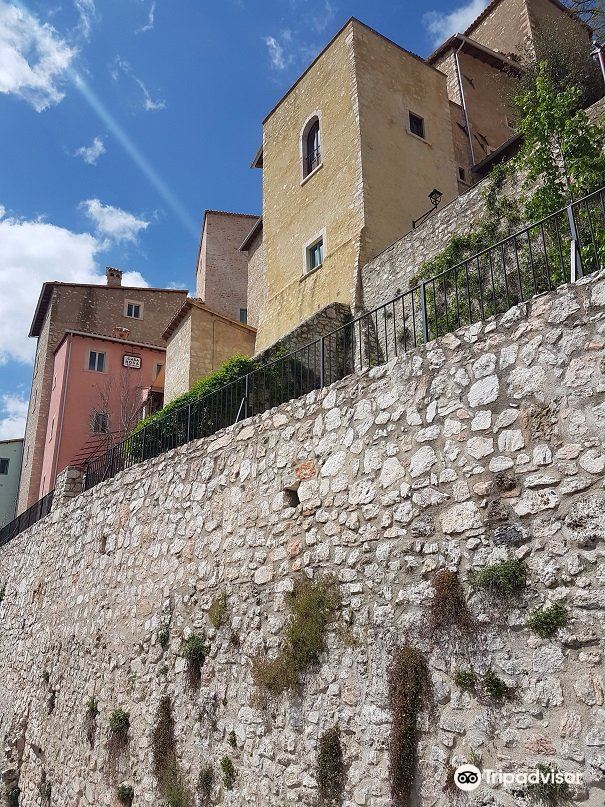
column 113, row 224
column 90, row 154
column 442, row 25
column 13, row 414
column 32, row 252
column 150, row 20
column 34, row 59
column 87, row 14
column 279, row 59
column 119, row 67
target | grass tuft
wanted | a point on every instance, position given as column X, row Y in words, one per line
column 505, row 578
column 312, row 605
column 205, row 783
column 196, row 651
column 495, row 687
column 125, row 794
column 228, row 770
column 218, row 611
column 448, row 606
column 552, row 789
column 548, row 621
column 466, row 680
column 165, row 765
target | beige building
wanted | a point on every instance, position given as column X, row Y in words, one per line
column 199, row 341
column 352, row 151
column 141, row 314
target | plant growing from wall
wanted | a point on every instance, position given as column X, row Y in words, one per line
column 195, row 654
column 466, row 680
column 228, row 771
column 448, row 607
column 125, row 794
column 119, row 725
column 312, row 605
column 232, row 739
column 13, row 797
column 218, row 610
column 2, row 592
column 164, row 637
column 90, row 720
column 495, row 688
column 165, row 765
column 551, row 789
column 409, row 693
column 205, row 784
column 330, row 769
column 548, row 621
column 501, row 579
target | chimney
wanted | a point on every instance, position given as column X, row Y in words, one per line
column 114, row 277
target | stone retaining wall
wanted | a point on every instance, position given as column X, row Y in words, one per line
column 487, row 444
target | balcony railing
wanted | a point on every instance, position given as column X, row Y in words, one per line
column 27, row 519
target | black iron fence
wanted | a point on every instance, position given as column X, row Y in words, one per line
column 37, row 511
column 536, row 259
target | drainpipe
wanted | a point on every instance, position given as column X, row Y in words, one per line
column 462, row 97
column 599, row 53
column 59, row 431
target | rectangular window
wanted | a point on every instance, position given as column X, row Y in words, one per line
column 243, row 316
column 133, row 309
column 100, row 423
column 157, row 371
column 4, row 463
column 462, row 174
column 96, row 361
column 417, row 125
column 315, row 255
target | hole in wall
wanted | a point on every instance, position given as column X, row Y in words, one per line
column 291, row 497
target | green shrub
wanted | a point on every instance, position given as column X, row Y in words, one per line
column 466, row 680
column 409, row 693
column 119, row 722
column 228, row 770
column 232, row 739
column 504, row 578
column 205, row 783
column 165, row 765
column 90, row 720
column 548, row 621
column 551, row 792
column 312, row 605
column 92, row 707
column 495, row 688
column 218, row 610
column 13, row 797
column 448, row 606
column 195, row 654
column 330, row 769
column 164, row 637
column 125, row 794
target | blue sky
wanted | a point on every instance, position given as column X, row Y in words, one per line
column 121, row 121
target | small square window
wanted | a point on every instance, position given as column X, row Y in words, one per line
column 157, row 370
column 133, row 310
column 4, row 463
column 96, row 361
column 315, row 255
column 100, row 423
column 417, row 125
column 461, row 174
column 243, row 316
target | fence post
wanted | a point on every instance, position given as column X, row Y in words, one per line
column 246, row 391
column 322, row 359
column 424, row 312
column 189, row 422
column 144, row 432
column 576, row 258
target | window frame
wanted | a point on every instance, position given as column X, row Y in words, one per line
column 411, row 114
column 312, row 120
column 95, row 369
column 133, row 303
column 243, row 316
column 96, row 415
column 4, row 466
column 307, row 251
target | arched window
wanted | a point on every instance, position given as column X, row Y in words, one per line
column 311, row 146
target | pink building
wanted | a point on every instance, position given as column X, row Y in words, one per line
column 98, row 389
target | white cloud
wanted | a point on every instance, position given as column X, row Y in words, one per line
column 323, row 19
column 112, row 223
column 13, row 414
column 87, row 13
column 32, row 252
column 442, row 25
column 90, row 154
column 34, row 60
column 279, row 59
column 121, row 66
column 150, row 20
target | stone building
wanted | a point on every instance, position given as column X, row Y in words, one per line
column 11, row 454
column 88, row 309
column 352, row 151
column 199, row 341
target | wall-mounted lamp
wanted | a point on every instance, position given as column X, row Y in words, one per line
column 435, row 196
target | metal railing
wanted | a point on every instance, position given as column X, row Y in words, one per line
column 534, row 260
column 28, row 518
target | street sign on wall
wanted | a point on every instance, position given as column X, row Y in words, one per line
column 134, row 362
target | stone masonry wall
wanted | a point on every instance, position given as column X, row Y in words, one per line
column 486, row 444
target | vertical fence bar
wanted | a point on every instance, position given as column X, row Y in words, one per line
column 322, row 359
column 576, row 258
column 424, row 313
